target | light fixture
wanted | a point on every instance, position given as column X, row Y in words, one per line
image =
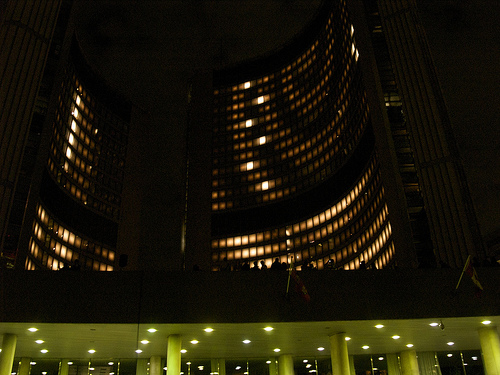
column 268, row 329
column 246, row 341
column 208, row 329
column 449, row 355
column 138, row 351
column 237, row 368
column 434, row 324
column 33, row 363
column 277, row 350
column 380, row 358
column 144, row 342
column 305, row 360
column 347, row 338
column 395, row 337
column 70, row 363
column 183, row 351
column 321, row 348
column 91, row 368
column 39, row 341
column 152, row 330
column 474, row 358
column 111, row 363
column 379, row 326
column 365, row 347
column 450, row 343
column 409, row 345
column 486, row 322
column 91, row 351
column 308, row 365
column 268, row 362
column 32, row 329
column 44, row 351
column 201, row 368
column 194, row 342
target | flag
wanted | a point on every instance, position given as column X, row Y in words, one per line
column 300, row 288
column 471, row 272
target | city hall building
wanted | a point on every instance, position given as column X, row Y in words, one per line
column 321, row 147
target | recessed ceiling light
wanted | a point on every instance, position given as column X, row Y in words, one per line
column 208, row 329
column 305, row 360
column 91, row 351
column 347, row 338
column 144, row 342
column 365, row 347
column 32, row 329
column 201, row 368
column 308, row 365
column 70, row 363
column 33, row 363
column 380, row 358
column 246, row 341
column 268, row 362
column 39, row 341
column 409, row 345
column 187, row 363
column 237, row 368
column 44, row 351
column 111, row 363
column 474, row 358
column 138, row 351
column 183, row 351
column 486, row 322
column 379, row 326
column 434, row 324
column 194, row 342
column 268, row 328
column 450, row 343
column 152, row 330
column 277, row 350
column 321, row 348
column 395, row 337
column 449, row 355
column 91, row 368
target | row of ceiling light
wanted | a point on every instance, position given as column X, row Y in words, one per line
column 267, row 328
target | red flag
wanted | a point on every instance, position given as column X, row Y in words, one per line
column 471, row 272
column 300, row 287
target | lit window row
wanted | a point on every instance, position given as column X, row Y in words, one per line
column 54, row 246
column 356, row 220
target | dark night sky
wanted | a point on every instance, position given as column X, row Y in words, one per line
column 146, row 49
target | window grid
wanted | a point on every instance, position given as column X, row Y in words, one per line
column 53, row 246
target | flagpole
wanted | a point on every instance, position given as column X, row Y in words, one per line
column 463, row 271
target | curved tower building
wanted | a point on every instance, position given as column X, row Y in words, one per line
column 77, row 212
column 295, row 171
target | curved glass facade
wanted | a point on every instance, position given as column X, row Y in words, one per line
column 79, row 203
column 295, row 172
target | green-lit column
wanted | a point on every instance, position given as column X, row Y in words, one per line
column 155, row 365
column 174, row 355
column 490, row 347
column 285, row 364
column 409, row 362
column 351, row 365
column 392, row 364
column 339, row 354
column 7, row 353
column 141, row 366
column 273, row 366
column 63, row 367
column 218, row 366
column 25, row 366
